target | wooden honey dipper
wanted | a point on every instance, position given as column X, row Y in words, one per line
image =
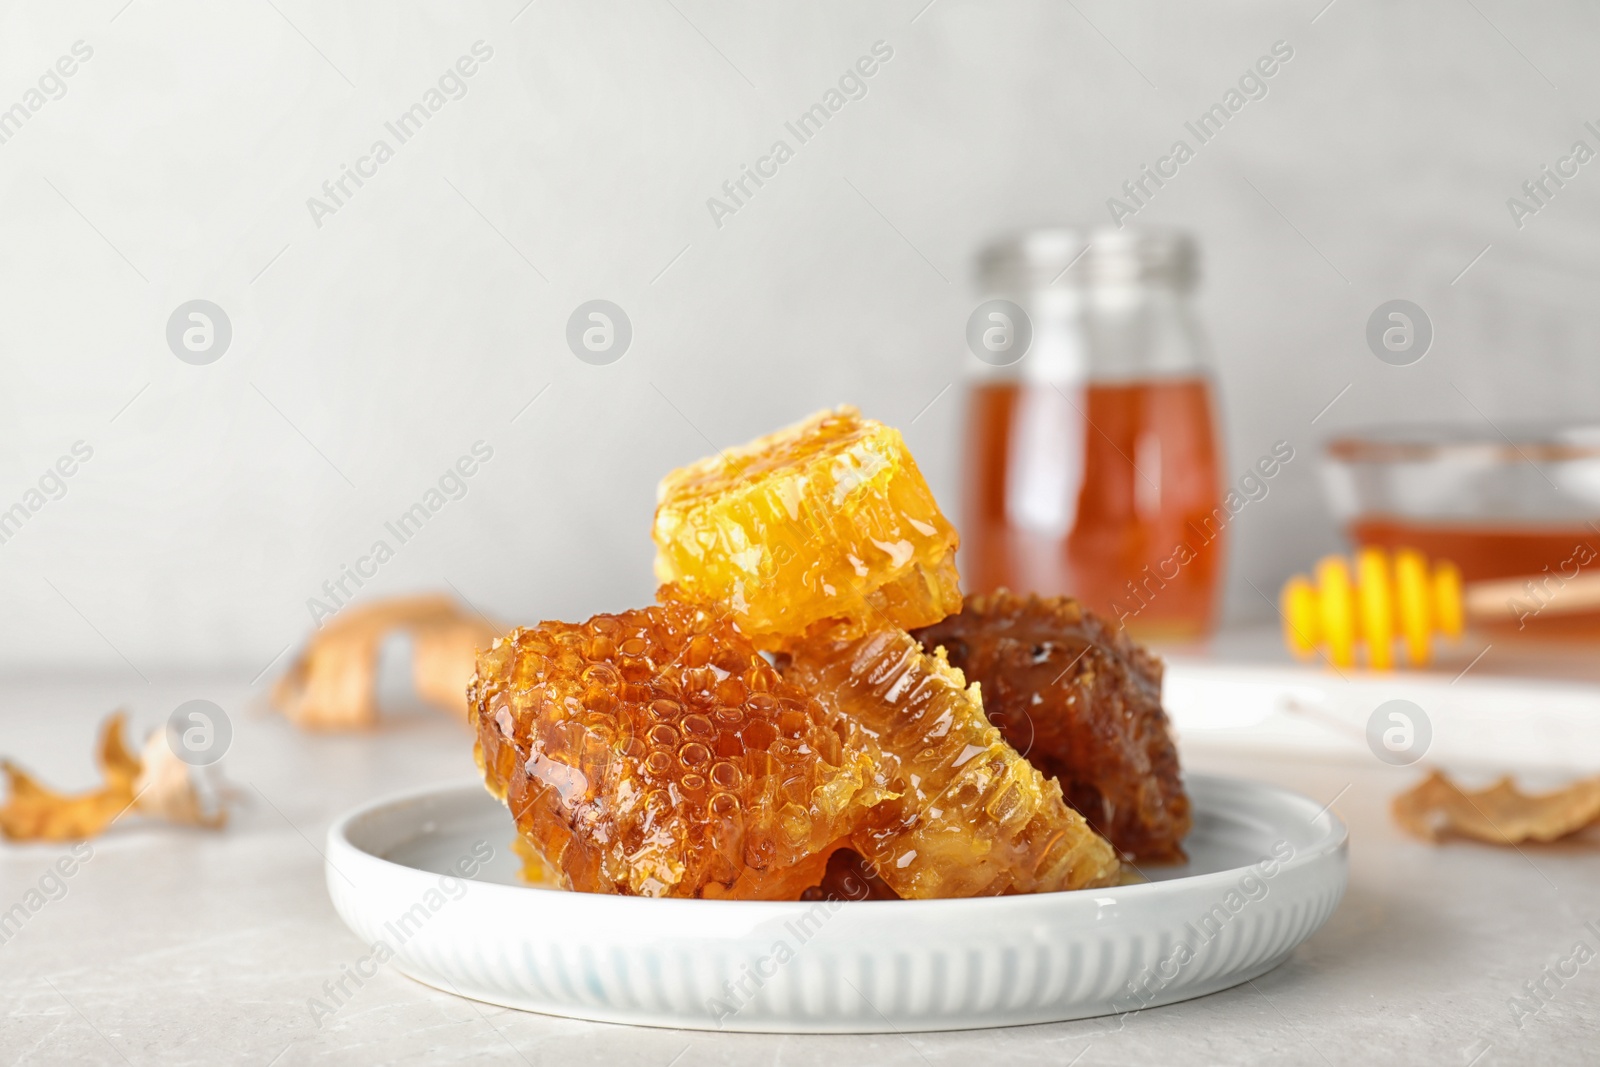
column 1411, row 601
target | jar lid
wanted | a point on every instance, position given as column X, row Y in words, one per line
column 1083, row 258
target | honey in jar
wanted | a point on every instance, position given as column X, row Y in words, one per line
column 1092, row 461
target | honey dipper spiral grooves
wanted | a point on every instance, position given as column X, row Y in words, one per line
column 1372, row 608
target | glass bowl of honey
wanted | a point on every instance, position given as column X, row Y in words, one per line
column 1501, row 502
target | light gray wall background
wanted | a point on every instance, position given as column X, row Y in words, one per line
column 372, row 351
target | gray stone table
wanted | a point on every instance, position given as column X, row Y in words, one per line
column 174, row 946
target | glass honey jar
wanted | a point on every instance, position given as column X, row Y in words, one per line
column 1092, row 459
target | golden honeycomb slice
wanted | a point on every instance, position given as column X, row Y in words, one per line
column 824, row 527
column 656, row 753
column 973, row 817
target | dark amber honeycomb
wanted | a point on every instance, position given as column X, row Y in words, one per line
column 1084, row 703
column 656, row 753
column 972, row 817
column 823, row 528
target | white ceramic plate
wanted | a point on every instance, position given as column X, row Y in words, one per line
column 1266, row 870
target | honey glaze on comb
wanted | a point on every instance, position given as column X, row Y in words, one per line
column 971, row 816
column 656, row 753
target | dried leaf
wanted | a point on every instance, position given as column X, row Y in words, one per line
column 159, row 784
column 1437, row 808
column 443, row 658
column 119, row 766
column 167, row 789
column 34, row 812
column 333, row 684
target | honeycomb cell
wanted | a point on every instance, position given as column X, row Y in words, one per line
column 972, row 817
column 617, row 771
column 824, row 528
column 1084, row 703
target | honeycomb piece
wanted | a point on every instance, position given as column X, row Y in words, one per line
column 535, row 870
column 1083, row 703
column 972, row 818
column 656, row 753
column 826, row 527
